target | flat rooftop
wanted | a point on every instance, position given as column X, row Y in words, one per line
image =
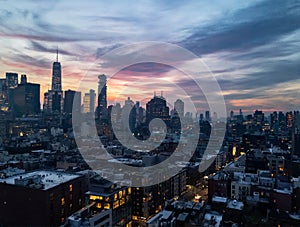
column 48, row 179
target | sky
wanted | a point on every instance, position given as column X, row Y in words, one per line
column 250, row 47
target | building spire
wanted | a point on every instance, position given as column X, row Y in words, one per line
column 57, row 54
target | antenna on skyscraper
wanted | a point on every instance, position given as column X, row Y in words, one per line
column 161, row 93
column 154, row 93
column 57, row 54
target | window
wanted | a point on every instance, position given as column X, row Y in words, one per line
column 106, row 206
column 70, row 187
column 95, row 197
column 62, row 201
column 116, row 204
column 122, row 201
column 99, row 205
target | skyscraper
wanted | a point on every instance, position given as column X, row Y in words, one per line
column 11, row 80
column 72, row 101
column 55, row 94
column 102, row 91
column 56, row 75
column 207, row 116
column 179, row 107
column 157, row 108
column 25, row 99
column 102, row 98
column 89, row 101
column 3, row 91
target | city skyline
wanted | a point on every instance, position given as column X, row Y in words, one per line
column 249, row 47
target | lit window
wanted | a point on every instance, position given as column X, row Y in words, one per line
column 99, row 205
column 120, row 194
column 116, row 204
column 106, row 206
column 95, row 197
column 62, row 201
column 129, row 191
column 70, row 187
column 115, row 197
column 122, row 201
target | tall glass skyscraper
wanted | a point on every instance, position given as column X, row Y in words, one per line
column 56, row 75
column 55, row 94
column 102, row 98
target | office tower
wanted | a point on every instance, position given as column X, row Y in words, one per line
column 72, row 101
column 258, row 117
column 25, row 99
column 201, row 118
column 55, row 94
column 11, row 80
column 116, row 113
column 23, row 79
column 289, row 119
column 179, row 107
column 231, row 115
column 101, row 111
column 129, row 114
column 296, row 134
column 46, row 106
column 157, row 108
column 92, row 100
column 55, row 101
column 207, row 115
column 56, row 75
column 89, row 101
column 102, row 91
column 3, row 91
column 129, row 102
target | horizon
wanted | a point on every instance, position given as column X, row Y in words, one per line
column 249, row 47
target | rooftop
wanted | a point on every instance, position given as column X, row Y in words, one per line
column 40, row 179
column 234, row 204
column 218, row 199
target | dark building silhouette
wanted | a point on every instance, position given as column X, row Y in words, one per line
column 23, row 79
column 56, row 75
column 101, row 110
column 3, row 91
column 296, row 142
column 55, row 95
column 40, row 198
column 207, row 115
column 25, row 99
column 157, row 108
column 72, row 99
column 11, row 80
column 179, row 107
